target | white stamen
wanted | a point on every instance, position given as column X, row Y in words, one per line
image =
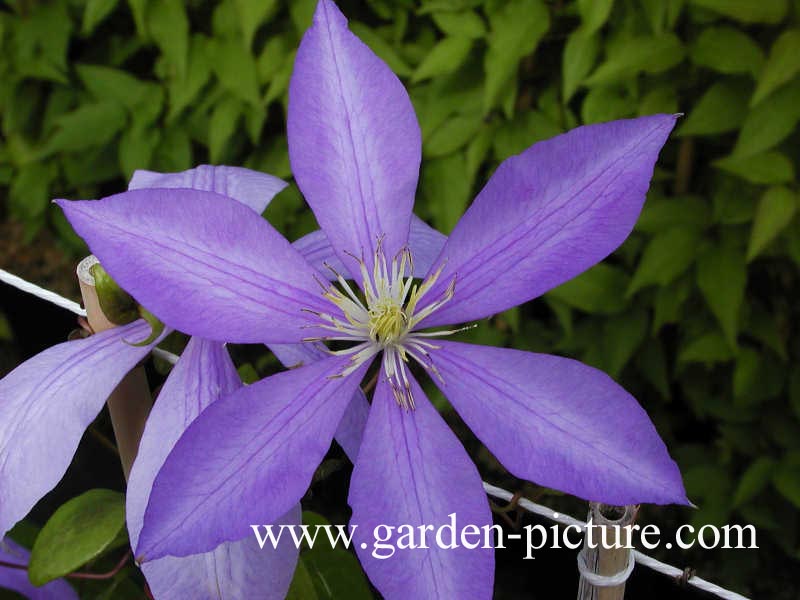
column 385, row 320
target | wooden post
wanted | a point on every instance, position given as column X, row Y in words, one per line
column 604, row 560
column 130, row 403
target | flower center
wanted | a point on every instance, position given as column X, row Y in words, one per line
column 385, row 319
column 387, row 322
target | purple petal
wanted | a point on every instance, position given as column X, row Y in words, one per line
column 247, row 459
column 354, row 141
column 47, row 403
column 559, row 423
column 351, row 427
column 251, row 188
column 424, row 241
column 239, row 569
column 232, row 570
column 547, row 215
column 203, row 263
column 17, row 579
column 413, row 471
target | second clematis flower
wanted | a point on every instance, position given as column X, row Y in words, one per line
column 208, row 266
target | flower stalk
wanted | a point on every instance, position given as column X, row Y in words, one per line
column 130, row 403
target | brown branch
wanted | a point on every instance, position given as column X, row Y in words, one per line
column 79, row 574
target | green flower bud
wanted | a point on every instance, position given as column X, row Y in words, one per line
column 117, row 305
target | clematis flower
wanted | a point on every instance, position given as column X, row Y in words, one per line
column 17, row 579
column 47, row 402
column 205, row 265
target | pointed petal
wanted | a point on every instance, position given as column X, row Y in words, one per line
column 412, row 470
column 247, row 459
column 251, row 188
column 17, row 579
column 203, row 263
column 559, row 423
column 47, row 403
column 547, row 215
column 351, row 427
column 239, row 569
column 354, row 141
column 424, row 241
column 232, row 570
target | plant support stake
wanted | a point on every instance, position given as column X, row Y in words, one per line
column 606, row 567
column 130, row 403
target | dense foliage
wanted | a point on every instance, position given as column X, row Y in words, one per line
column 697, row 313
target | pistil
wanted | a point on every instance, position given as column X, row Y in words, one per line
column 385, row 320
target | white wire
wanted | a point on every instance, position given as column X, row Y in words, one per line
column 642, row 559
column 491, row 490
column 42, row 293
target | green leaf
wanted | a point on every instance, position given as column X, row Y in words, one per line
column 335, row 572
column 302, row 586
column 445, row 186
column 136, row 148
column 770, row 122
column 594, row 13
column 622, row 336
column 302, row 11
column 633, row 55
column 521, row 132
column 183, row 90
column 464, row 24
column 445, row 57
column 775, row 211
column 721, row 277
column 222, row 126
column 252, row 13
column 669, row 301
column 88, row 126
column 280, row 83
column 727, row 50
column 659, row 100
column 29, row 195
column 105, row 83
column 794, row 393
column 764, row 168
column 754, row 480
column 95, row 12
column 606, row 104
column 782, row 64
column 662, row 14
column 660, row 214
column 665, row 257
column 452, row 135
column 515, row 31
column 139, row 12
column 600, row 290
column 478, row 149
column 787, row 481
column 733, row 204
column 580, row 55
column 168, row 24
column 79, row 531
column 174, row 153
column 236, row 69
column 652, row 363
column 382, row 48
column 756, row 378
column 708, row 348
column 747, row 11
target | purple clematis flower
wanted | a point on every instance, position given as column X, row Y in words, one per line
column 207, row 266
column 17, row 579
column 48, row 401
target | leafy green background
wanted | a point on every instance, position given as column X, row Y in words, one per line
column 696, row 314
